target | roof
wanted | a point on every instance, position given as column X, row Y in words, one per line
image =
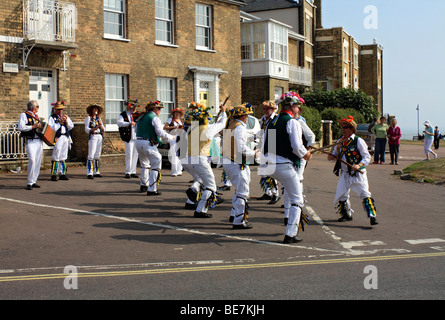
column 263, row 5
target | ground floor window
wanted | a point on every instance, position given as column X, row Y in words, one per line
column 166, row 94
column 115, row 97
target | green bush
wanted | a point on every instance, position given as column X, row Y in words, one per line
column 313, row 120
column 336, row 114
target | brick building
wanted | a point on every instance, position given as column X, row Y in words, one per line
column 103, row 51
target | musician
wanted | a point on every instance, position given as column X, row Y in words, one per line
column 148, row 136
column 95, row 129
column 354, row 152
column 28, row 123
column 172, row 125
column 62, row 125
column 127, row 131
column 236, row 156
column 199, row 134
column 283, row 149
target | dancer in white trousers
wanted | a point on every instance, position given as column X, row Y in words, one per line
column 127, row 130
column 62, row 125
column 148, row 136
column 173, row 124
column 95, row 129
column 28, row 123
column 354, row 152
column 236, row 158
column 283, row 149
column 198, row 134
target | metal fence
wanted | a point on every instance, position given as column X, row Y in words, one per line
column 12, row 146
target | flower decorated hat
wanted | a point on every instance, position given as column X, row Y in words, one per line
column 132, row 103
column 198, row 113
column 58, row 105
column 240, row 110
column 154, row 104
column 290, row 98
column 349, row 121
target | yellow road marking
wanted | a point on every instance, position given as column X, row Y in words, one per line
column 222, row 267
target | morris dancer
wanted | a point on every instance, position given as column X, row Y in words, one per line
column 95, row 129
column 28, row 123
column 62, row 125
column 149, row 134
column 236, row 157
column 127, row 130
column 173, row 124
column 269, row 185
column 353, row 151
column 282, row 164
column 199, row 134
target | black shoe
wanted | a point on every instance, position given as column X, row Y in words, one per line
column 90, row 176
column 154, row 193
column 35, row 185
column 231, row 218
column 274, row 199
column 202, row 215
column 219, row 200
column 53, row 178
column 373, row 221
column 98, row 175
column 28, row 187
column 223, row 188
column 265, row 197
column 344, row 218
column 244, row 225
column 127, row 176
column 134, row 175
column 288, row 239
column 191, row 206
column 63, row 177
column 143, row 188
column 285, row 221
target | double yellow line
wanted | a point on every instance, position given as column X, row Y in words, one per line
column 220, row 267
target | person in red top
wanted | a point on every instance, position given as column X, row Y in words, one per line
column 394, row 135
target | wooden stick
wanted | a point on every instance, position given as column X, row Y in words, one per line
column 342, row 161
column 328, row 146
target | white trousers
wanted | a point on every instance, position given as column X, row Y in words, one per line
column 60, row 150
column 197, row 182
column 201, row 170
column 358, row 184
column 240, row 179
column 34, row 149
column 176, row 165
column 95, row 146
column 149, row 156
column 131, row 157
column 287, row 175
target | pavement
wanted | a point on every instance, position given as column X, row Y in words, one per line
column 120, row 238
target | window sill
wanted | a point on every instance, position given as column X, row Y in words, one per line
column 111, row 37
column 205, row 50
column 165, row 44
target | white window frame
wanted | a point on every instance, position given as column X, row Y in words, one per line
column 168, row 6
column 278, row 44
column 116, row 12
column 166, row 93
column 208, row 26
column 116, row 92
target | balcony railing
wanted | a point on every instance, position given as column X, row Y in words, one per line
column 49, row 20
column 299, row 75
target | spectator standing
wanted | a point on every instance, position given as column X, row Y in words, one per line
column 394, row 134
column 380, row 130
column 428, row 140
column 436, row 137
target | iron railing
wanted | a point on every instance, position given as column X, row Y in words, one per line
column 12, row 146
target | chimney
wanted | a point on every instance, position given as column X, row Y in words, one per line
column 319, row 24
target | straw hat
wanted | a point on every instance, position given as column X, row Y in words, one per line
column 58, row 105
column 91, row 106
column 350, row 122
column 154, row 104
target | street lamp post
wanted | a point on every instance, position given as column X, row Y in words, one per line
column 418, row 132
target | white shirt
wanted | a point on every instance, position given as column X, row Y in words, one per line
column 362, row 148
column 87, row 126
column 307, row 133
column 240, row 135
column 122, row 123
column 23, row 120
column 159, row 129
column 56, row 126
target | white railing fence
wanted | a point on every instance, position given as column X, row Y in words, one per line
column 300, row 75
column 12, row 146
column 49, row 20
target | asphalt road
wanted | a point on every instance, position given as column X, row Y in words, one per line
column 126, row 245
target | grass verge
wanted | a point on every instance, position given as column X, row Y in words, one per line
column 432, row 171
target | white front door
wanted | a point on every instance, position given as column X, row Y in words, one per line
column 42, row 87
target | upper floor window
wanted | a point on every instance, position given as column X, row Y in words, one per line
column 278, row 42
column 203, row 26
column 114, row 19
column 164, row 21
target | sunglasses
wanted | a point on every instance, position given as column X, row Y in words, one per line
column 346, row 127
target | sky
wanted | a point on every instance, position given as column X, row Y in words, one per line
column 412, row 34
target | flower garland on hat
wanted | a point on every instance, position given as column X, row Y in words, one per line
column 349, row 121
column 290, row 98
column 198, row 113
column 58, row 104
column 132, row 103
